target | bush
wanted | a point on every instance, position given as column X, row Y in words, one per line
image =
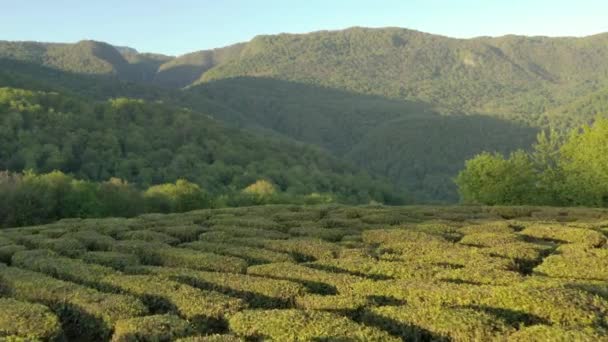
column 299, row 325
column 85, row 313
column 211, row 338
column 565, row 234
column 251, row 254
column 317, row 280
column 118, row 261
column 490, row 239
column 437, row 323
column 148, row 236
column 257, row 291
column 206, row 309
column 7, row 252
column 49, row 263
column 591, row 264
column 151, row 328
column 28, row 321
column 182, row 233
column 543, row 333
column 337, row 303
column 92, row 240
column 249, row 232
column 304, row 249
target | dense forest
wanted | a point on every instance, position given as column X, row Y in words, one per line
column 398, row 111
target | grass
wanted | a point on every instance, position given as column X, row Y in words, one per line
column 294, row 273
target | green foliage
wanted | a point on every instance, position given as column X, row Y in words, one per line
column 182, row 196
column 438, row 324
column 492, row 179
column 418, row 273
column 556, row 173
column 151, row 328
column 296, row 325
column 257, row 291
column 205, row 309
column 115, row 260
column 28, row 321
column 86, row 313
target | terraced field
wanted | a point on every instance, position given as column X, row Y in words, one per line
column 290, row 273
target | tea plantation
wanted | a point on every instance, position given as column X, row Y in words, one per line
column 291, row 273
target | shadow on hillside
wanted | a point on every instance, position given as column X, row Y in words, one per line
column 408, row 142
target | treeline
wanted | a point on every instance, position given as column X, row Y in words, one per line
column 29, row 198
column 559, row 171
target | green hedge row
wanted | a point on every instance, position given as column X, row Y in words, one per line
column 85, row 313
column 28, row 321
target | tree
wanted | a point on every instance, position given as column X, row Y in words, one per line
column 493, row 180
column 181, row 196
column 261, row 188
column 584, row 161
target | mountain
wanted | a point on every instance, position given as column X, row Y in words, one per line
column 185, row 70
column 400, row 104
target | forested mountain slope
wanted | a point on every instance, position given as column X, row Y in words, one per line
column 151, row 142
column 398, row 103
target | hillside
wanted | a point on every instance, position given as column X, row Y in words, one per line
column 151, row 142
column 400, row 104
column 293, row 273
column 513, row 76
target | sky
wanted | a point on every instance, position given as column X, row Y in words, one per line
column 180, row 26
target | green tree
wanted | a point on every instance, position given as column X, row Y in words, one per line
column 584, row 161
column 493, row 180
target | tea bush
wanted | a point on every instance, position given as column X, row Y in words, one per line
column 116, row 260
column 28, row 321
column 257, row 291
column 438, row 323
column 84, row 312
column 302, row 325
column 206, row 309
column 566, row 234
column 251, row 254
column 313, row 273
column 151, row 328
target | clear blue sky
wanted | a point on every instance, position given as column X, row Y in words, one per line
column 180, row 26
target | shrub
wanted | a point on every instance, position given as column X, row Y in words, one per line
column 7, row 252
column 151, row 328
column 181, row 257
column 301, row 325
column 186, row 233
column 488, row 227
column 251, row 254
column 28, row 321
column 49, row 263
column 154, row 253
column 304, row 249
column 5, row 241
column 379, row 269
column 543, row 333
column 92, row 240
column 257, row 291
column 249, row 232
column 393, row 236
column 590, row 264
column 205, row 309
column 211, row 338
column 338, row 303
column 436, row 323
column 328, row 234
column 489, row 239
column 565, row 234
column 85, row 313
column 246, row 222
column 148, row 236
column 118, row 261
column 317, row 280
